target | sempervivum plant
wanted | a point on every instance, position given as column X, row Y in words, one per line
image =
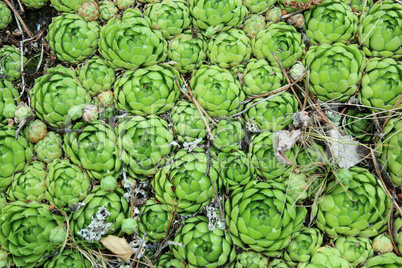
column 217, row 90
column 229, row 49
column 9, row 98
column 187, row 122
column 250, row 259
column 260, row 77
column 89, row 11
column 359, row 125
column 261, row 153
column 29, row 184
column 272, row 114
column 112, row 208
column 30, row 231
column 212, row 16
column 107, row 9
column 72, row 38
column 143, row 143
column 55, row 93
column 169, row 260
column 14, row 154
column 236, row 169
column 330, row 22
column 96, row 76
column 35, row 131
column 257, row 6
column 229, row 136
column 385, row 260
column 186, row 179
column 354, row 204
column 381, row 84
column 66, row 183
column 10, row 64
column 130, row 43
column 355, row 250
column 204, row 247
column 335, row 70
column 67, row 5
column 263, row 217
column 382, row 243
column 187, row 52
column 151, row 90
column 94, row 149
column 389, row 150
column 153, row 221
column 326, row 257
column 49, row 148
column 303, row 246
column 253, row 24
column 281, row 39
column 5, row 15
column 35, row 3
column 69, row 258
column 380, row 30
column 170, row 17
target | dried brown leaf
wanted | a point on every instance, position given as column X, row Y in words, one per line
column 118, row 246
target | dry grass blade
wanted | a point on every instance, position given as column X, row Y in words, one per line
column 24, row 26
column 393, row 110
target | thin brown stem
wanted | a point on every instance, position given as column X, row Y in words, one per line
column 24, row 26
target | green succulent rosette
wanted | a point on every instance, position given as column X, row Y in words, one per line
column 168, row 260
column 236, row 169
column 303, row 246
column 143, row 143
column 124, row 4
column 263, row 217
column 389, row 150
column 262, row 157
column 5, row 260
column 203, row 247
column 299, row 186
column 130, row 42
column 215, row 16
column 335, row 70
column 14, row 154
column 96, row 76
column 380, row 31
column 49, row 148
column 260, row 77
column 66, row 183
column 382, row 243
column 10, row 63
column 330, row 22
column 229, row 49
column 274, row 14
column 386, row 260
column 355, row 250
column 69, row 258
column 272, row 114
column 353, row 204
column 362, row 6
column 250, row 259
column 229, row 136
column 35, row 3
column 397, row 235
column 170, row 17
column 278, row 263
column 187, row 121
column 326, row 257
column 153, row 220
column 281, row 39
column 310, row 158
column 89, row 11
column 187, row 178
column 29, row 185
column 113, row 202
column 94, row 149
column 381, row 84
column 359, row 125
column 187, row 52
column 67, row 5
column 107, row 10
column 29, row 232
column 258, row 6
column 72, row 38
column 5, row 16
column 55, row 93
column 217, row 90
column 9, row 99
column 253, row 24
column 151, row 90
